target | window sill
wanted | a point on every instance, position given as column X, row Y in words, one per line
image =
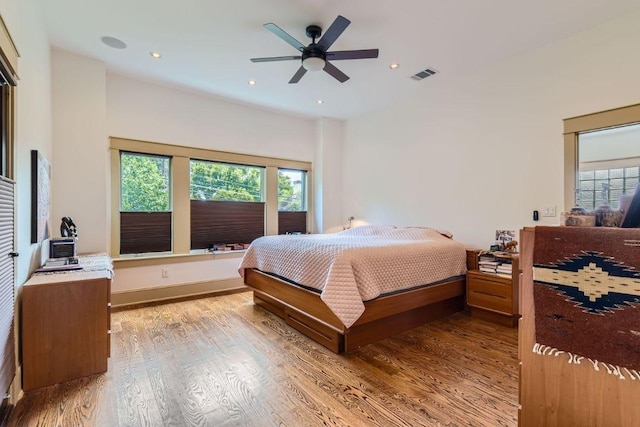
column 170, row 258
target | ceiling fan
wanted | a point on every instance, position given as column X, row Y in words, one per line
column 315, row 56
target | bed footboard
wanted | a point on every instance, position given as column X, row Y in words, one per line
column 305, row 311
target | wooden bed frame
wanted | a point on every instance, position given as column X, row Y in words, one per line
column 304, row 311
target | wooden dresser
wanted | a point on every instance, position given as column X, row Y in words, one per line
column 66, row 324
column 555, row 392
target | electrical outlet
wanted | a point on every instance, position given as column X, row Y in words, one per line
column 549, row 211
column 165, row 273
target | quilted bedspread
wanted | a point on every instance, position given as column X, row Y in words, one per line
column 359, row 264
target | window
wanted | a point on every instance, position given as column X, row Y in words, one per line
column 292, row 190
column 7, row 81
column 145, row 203
column 602, row 157
column 183, row 200
column 608, row 161
column 4, row 118
column 226, row 203
column 605, row 186
column 292, row 209
column 6, row 131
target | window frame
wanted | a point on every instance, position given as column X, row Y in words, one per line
column 304, row 188
column 7, row 112
column 180, row 188
column 588, row 123
column 294, row 221
column 149, row 229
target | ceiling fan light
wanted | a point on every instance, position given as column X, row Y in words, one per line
column 313, row 63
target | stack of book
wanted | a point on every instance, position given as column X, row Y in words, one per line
column 488, row 264
column 504, row 268
column 229, row 247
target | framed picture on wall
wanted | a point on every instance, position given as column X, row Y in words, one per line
column 40, row 197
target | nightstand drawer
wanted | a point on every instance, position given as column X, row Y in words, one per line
column 490, row 292
column 493, row 285
column 490, row 301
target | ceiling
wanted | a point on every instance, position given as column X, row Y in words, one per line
column 206, row 44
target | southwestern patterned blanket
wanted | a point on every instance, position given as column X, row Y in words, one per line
column 587, row 296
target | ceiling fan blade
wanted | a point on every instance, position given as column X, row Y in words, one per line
column 334, row 31
column 298, row 75
column 332, row 70
column 284, row 36
column 276, row 58
column 352, row 54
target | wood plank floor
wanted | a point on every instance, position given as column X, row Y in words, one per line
column 223, row 361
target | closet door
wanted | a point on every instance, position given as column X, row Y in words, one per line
column 7, row 342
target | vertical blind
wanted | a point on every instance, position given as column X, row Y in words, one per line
column 7, row 346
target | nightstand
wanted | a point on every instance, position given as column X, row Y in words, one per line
column 495, row 297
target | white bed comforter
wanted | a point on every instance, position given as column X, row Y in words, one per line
column 359, row 264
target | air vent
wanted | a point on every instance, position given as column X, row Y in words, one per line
column 424, row 74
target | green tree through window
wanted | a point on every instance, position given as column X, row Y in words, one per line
column 221, row 181
column 144, row 183
column 291, row 188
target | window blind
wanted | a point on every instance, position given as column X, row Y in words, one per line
column 221, row 222
column 292, row 222
column 142, row 232
column 7, row 297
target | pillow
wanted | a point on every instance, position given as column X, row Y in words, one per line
column 368, row 230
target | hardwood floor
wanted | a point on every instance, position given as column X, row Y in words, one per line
column 223, row 361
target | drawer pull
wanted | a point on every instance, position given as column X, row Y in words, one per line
column 489, row 294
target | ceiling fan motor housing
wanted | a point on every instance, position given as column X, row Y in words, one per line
column 314, row 32
column 313, row 51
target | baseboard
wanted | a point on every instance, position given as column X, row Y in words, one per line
column 15, row 389
column 150, row 295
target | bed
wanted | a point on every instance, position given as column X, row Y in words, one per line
column 348, row 289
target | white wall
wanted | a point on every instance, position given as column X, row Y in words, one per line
column 33, row 117
column 150, row 112
column 80, row 177
column 480, row 154
column 327, row 177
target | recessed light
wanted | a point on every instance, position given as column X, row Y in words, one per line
column 252, row 82
column 155, row 55
column 113, row 42
column 320, row 101
column 394, row 66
